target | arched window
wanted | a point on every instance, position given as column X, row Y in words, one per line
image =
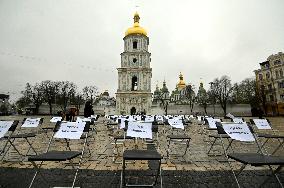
column 135, row 45
column 134, row 60
column 134, row 84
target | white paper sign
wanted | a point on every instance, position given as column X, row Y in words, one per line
column 122, row 123
column 139, row 130
column 159, row 118
column 176, row 123
column 238, row 120
column 199, row 118
column 55, row 119
column 4, row 127
column 212, row 122
column 70, row 130
column 31, row 122
column 149, row 119
column 238, row 131
column 261, row 123
column 230, row 116
column 86, row 119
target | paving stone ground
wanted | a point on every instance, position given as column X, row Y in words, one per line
column 195, row 169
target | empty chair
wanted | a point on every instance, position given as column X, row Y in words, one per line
column 67, row 130
column 32, row 123
column 264, row 124
column 244, row 133
column 180, row 138
column 150, row 155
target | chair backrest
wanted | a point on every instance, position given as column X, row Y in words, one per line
column 155, row 127
column 13, row 126
column 87, row 127
column 220, row 129
column 57, row 126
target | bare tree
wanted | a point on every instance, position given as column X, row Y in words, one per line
column 203, row 98
column 66, row 90
column 90, row 93
column 50, row 90
column 78, row 100
column 37, row 96
column 223, row 89
column 245, row 92
column 190, row 96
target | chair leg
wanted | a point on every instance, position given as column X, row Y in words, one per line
column 36, row 173
column 259, row 150
column 5, row 151
column 225, row 152
column 212, row 145
column 279, row 146
column 274, row 172
column 30, row 147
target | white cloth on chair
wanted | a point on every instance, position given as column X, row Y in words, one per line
column 31, row 122
column 139, row 129
column 4, row 127
column 238, row 131
column 70, row 130
column 176, row 123
column 261, row 123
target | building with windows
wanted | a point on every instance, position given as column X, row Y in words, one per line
column 104, row 99
column 134, row 76
column 270, row 84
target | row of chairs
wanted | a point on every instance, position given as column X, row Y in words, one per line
column 125, row 125
column 244, row 132
column 65, row 131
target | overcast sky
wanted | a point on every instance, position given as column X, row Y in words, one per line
column 81, row 40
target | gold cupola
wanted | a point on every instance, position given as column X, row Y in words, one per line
column 136, row 29
column 181, row 84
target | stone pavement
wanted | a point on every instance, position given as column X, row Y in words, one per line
column 196, row 169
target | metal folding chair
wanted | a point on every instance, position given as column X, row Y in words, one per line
column 119, row 142
column 177, row 138
column 7, row 134
column 267, row 137
column 150, row 155
column 25, row 136
column 59, row 156
column 253, row 159
column 220, row 134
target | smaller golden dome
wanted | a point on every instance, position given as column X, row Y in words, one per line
column 136, row 29
column 181, row 84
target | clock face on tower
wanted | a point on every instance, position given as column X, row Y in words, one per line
column 134, row 77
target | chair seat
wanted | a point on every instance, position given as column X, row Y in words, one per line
column 141, row 155
column 269, row 135
column 112, row 123
column 218, row 136
column 178, row 137
column 23, row 135
column 55, row 156
column 47, row 128
column 211, row 129
column 256, row 159
column 122, row 137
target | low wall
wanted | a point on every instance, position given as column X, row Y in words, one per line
column 235, row 109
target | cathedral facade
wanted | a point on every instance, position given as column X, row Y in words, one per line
column 134, row 95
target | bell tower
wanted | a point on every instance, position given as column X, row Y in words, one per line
column 134, row 76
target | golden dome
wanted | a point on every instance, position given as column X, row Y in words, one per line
column 136, row 29
column 181, row 84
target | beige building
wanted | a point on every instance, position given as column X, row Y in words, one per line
column 134, row 76
column 270, row 84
